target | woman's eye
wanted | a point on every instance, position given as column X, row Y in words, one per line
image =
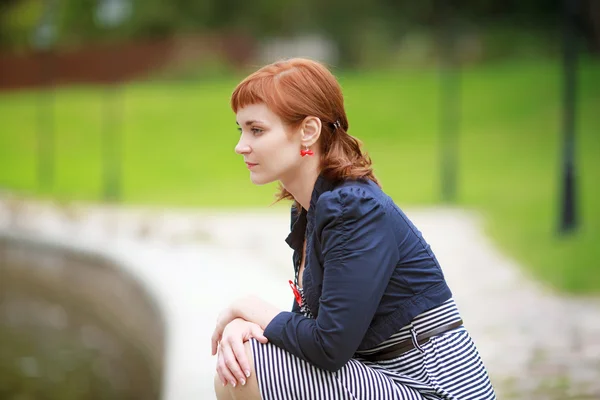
column 256, row 131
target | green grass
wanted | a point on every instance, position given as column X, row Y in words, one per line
column 178, row 138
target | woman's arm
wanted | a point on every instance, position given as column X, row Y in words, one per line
column 255, row 310
column 251, row 309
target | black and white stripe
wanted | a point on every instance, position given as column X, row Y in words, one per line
column 448, row 366
column 445, row 314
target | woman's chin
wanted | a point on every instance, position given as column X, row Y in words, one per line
column 259, row 180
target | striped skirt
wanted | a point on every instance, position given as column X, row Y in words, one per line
column 448, row 366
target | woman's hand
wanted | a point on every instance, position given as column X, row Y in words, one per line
column 232, row 362
column 251, row 309
column 226, row 316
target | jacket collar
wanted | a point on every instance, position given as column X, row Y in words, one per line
column 301, row 220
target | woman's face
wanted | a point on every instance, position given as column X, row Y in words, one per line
column 271, row 150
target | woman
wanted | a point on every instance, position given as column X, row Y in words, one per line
column 373, row 317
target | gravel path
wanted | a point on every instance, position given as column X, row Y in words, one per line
column 535, row 343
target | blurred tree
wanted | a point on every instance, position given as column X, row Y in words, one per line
column 18, row 20
column 590, row 24
column 357, row 26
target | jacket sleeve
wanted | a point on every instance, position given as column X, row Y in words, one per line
column 360, row 253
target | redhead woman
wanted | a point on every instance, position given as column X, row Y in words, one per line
column 372, row 316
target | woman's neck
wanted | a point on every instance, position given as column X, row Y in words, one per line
column 302, row 184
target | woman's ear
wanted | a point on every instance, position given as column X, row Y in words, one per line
column 310, row 130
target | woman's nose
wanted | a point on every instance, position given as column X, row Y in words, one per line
column 242, row 147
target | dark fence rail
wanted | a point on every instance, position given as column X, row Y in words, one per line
column 119, row 61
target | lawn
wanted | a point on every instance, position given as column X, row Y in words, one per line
column 177, row 142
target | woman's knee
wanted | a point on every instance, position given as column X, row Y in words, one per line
column 221, row 391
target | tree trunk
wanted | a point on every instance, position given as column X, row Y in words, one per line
column 591, row 23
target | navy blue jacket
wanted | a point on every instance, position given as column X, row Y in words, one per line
column 368, row 272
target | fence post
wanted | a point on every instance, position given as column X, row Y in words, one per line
column 568, row 212
column 110, row 14
column 43, row 41
column 450, row 99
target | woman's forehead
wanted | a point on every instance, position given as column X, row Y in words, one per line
column 255, row 112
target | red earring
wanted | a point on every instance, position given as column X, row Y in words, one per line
column 307, row 152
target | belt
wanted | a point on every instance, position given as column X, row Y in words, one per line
column 398, row 349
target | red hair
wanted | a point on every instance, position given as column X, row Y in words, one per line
column 295, row 89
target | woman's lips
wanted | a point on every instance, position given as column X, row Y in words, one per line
column 251, row 165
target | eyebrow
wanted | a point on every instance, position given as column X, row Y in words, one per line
column 252, row 121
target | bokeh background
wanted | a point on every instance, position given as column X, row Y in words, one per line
column 491, row 106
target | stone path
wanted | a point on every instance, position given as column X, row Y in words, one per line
column 535, row 343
